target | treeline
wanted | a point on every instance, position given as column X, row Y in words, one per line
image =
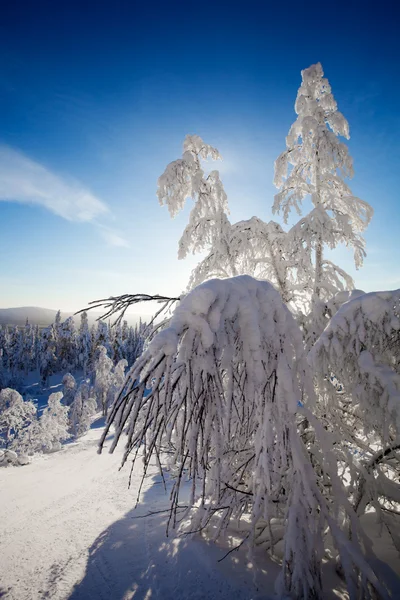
column 62, row 347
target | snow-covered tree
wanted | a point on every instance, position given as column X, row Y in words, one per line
column 250, row 247
column 292, row 451
column 84, row 343
column 118, row 346
column 47, row 355
column 117, row 380
column 28, row 348
column 103, row 378
column 15, row 351
column 228, row 381
column 101, row 337
column 54, row 424
column 82, row 410
column 208, row 222
column 69, row 388
column 16, row 415
column 314, row 165
column 67, row 345
column 135, row 341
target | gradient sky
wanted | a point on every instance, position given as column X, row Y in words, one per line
column 97, row 97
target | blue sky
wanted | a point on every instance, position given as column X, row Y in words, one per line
column 97, row 97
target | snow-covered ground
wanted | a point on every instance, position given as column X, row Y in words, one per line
column 68, row 530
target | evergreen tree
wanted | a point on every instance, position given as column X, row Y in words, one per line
column 48, row 358
column 103, row 378
column 82, row 411
column 69, row 388
column 84, row 343
column 67, row 345
column 315, row 164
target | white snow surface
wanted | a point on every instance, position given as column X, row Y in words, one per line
column 68, row 530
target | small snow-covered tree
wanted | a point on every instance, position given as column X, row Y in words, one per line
column 67, row 345
column 54, row 424
column 69, row 388
column 103, row 378
column 82, row 410
column 119, row 373
column 16, row 415
column 15, row 351
column 117, row 380
column 117, row 344
column 28, row 348
column 84, row 343
column 101, row 337
column 47, row 354
column 315, row 164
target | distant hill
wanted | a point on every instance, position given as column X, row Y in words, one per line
column 46, row 316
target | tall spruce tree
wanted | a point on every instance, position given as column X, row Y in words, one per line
column 315, row 164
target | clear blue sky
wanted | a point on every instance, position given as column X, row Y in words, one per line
column 96, row 98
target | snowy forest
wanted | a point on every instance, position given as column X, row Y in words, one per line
column 268, row 394
column 98, row 356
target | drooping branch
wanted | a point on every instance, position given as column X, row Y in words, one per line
column 119, row 304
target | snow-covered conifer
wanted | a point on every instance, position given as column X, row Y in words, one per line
column 103, row 378
column 102, row 337
column 84, row 343
column 67, row 345
column 69, row 388
column 82, row 410
column 315, row 164
column 47, row 354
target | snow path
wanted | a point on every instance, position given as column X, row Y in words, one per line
column 68, row 530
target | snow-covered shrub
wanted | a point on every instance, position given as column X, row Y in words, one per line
column 16, row 417
column 8, row 457
column 228, row 382
column 54, row 424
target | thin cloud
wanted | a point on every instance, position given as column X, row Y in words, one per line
column 26, row 181
column 113, row 237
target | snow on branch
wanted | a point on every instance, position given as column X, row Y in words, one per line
column 361, row 346
column 215, row 398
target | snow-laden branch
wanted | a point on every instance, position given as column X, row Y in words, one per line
column 220, row 389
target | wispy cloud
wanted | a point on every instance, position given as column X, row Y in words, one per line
column 113, row 237
column 24, row 180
